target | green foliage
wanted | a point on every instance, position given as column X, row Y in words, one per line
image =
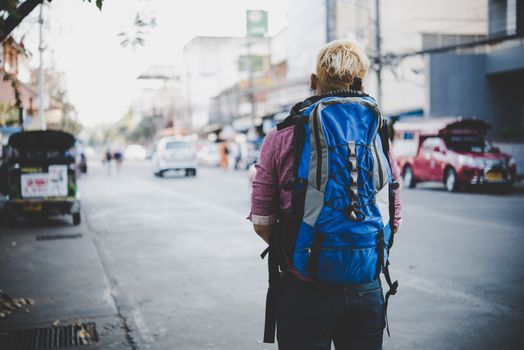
column 98, row 3
column 8, row 5
column 117, row 132
column 8, row 115
column 141, row 23
column 145, row 130
column 124, row 131
column 11, row 7
column 71, row 124
column 57, row 92
column 12, row 12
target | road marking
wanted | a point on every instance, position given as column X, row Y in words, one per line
column 464, row 220
column 437, row 290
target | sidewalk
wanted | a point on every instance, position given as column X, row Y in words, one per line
column 57, row 266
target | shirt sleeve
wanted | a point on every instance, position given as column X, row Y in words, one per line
column 395, row 173
column 265, row 188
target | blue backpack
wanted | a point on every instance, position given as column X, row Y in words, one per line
column 338, row 229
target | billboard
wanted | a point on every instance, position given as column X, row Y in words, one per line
column 256, row 23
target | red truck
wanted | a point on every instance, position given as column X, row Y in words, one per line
column 451, row 150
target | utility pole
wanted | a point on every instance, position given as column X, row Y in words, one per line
column 41, row 115
column 256, row 28
column 250, row 89
column 378, row 52
column 331, row 23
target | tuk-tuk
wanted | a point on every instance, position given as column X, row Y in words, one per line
column 38, row 175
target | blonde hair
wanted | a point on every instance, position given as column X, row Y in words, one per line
column 338, row 63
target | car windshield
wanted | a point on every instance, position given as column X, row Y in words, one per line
column 39, row 153
column 178, row 145
column 469, row 143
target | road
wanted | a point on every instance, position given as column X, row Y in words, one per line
column 187, row 262
column 183, row 268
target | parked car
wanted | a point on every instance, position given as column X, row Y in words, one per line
column 454, row 151
column 209, row 154
column 39, row 170
column 174, row 154
column 135, row 152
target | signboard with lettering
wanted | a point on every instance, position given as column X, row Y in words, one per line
column 50, row 184
column 256, row 23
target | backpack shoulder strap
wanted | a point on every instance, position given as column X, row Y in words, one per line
column 383, row 133
column 289, row 121
column 277, row 241
column 294, row 113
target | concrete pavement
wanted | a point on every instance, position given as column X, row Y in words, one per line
column 64, row 277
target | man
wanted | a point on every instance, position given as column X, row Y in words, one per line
column 314, row 310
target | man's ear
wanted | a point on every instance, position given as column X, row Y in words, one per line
column 313, row 82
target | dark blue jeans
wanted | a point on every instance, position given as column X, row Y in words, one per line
column 311, row 316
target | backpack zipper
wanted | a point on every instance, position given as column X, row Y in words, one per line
column 319, row 154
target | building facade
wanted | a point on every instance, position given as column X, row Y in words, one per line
column 486, row 81
column 214, row 64
column 15, row 89
column 159, row 95
column 403, row 23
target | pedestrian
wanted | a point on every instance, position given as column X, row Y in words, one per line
column 118, row 157
column 237, row 154
column 224, row 155
column 326, row 199
column 108, row 157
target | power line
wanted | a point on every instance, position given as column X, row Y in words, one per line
column 389, row 58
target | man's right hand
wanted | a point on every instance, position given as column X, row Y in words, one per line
column 264, row 231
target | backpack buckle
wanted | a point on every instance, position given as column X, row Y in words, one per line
column 353, row 213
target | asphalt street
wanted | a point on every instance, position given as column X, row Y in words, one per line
column 180, row 264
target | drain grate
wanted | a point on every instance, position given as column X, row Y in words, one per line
column 50, row 337
column 53, row 237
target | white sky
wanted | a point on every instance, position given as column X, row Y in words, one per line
column 83, row 43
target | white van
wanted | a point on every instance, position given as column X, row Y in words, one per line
column 174, row 154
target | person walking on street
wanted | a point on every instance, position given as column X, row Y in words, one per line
column 108, row 157
column 326, row 199
column 118, row 157
column 224, row 156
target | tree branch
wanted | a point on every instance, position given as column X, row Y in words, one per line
column 14, row 19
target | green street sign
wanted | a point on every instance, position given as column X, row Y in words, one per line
column 256, row 23
column 256, row 62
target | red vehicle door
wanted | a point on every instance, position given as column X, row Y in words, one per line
column 421, row 164
column 438, row 160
